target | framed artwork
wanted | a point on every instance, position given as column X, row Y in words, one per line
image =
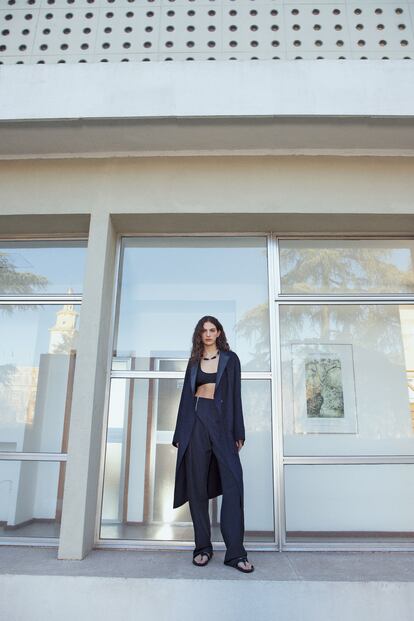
column 323, row 388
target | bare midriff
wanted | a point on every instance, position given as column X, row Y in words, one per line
column 206, row 390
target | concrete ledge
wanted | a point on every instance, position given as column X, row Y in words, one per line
column 251, row 107
column 36, row 598
column 205, row 89
column 127, row 585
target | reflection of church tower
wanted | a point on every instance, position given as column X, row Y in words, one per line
column 63, row 334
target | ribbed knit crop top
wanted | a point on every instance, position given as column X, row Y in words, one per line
column 205, row 378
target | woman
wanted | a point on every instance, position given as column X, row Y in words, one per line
column 209, row 434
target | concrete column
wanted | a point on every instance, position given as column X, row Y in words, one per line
column 82, row 470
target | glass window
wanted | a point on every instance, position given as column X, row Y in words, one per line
column 348, row 379
column 37, row 360
column 37, row 365
column 168, row 283
column 339, row 266
column 41, row 267
column 349, row 502
column 140, row 463
column 31, row 495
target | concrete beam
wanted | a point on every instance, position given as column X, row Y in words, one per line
column 44, row 225
column 178, row 193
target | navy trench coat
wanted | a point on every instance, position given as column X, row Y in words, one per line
column 227, row 398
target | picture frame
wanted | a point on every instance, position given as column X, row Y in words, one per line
column 323, row 388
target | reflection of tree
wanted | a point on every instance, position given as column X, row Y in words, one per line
column 332, row 270
column 345, row 323
column 254, row 326
column 16, row 283
column 6, row 373
column 374, row 329
column 13, row 282
column 342, row 270
column 66, row 345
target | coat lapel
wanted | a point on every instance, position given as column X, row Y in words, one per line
column 193, row 377
column 223, row 360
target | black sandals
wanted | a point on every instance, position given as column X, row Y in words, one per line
column 208, row 554
column 231, row 563
column 234, row 563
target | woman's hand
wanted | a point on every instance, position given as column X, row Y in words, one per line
column 177, row 444
column 239, row 444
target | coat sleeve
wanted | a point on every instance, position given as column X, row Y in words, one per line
column 239, row 432
column 180, row 414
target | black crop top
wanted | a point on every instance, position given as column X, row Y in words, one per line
column 205, row 378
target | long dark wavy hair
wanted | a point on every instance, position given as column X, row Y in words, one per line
column 198, row 345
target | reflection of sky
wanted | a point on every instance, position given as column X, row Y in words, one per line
column 62, row 263
column 165, row 291
column 25, row 335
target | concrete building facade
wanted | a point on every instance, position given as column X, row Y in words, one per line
column 273, row 193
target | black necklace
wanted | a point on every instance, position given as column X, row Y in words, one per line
column 212, row 357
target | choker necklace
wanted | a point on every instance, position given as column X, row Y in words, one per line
column 215, row 356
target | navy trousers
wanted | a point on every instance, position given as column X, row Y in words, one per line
column 206, row 438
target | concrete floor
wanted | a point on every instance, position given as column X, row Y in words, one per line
column 332, row 566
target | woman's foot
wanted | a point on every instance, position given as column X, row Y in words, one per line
column 245, row 565
column 241, row 563
column 202, row 558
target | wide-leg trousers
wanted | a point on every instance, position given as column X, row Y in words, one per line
column 207, row 437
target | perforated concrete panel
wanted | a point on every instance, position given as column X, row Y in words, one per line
column 71, row 31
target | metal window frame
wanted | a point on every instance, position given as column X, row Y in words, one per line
column 276, row 299
column 279, row 460
column 112, row 374
column 27, row 300
column 282, row 299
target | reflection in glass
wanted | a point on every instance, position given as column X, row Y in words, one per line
column 41, row 267
column 346, row 266
column 140, row 463
column 168, row 283
column 31, row 494
column 348, row 379
column 37, row 362
column 349, row 502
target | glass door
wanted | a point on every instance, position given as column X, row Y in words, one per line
column 165, row 285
